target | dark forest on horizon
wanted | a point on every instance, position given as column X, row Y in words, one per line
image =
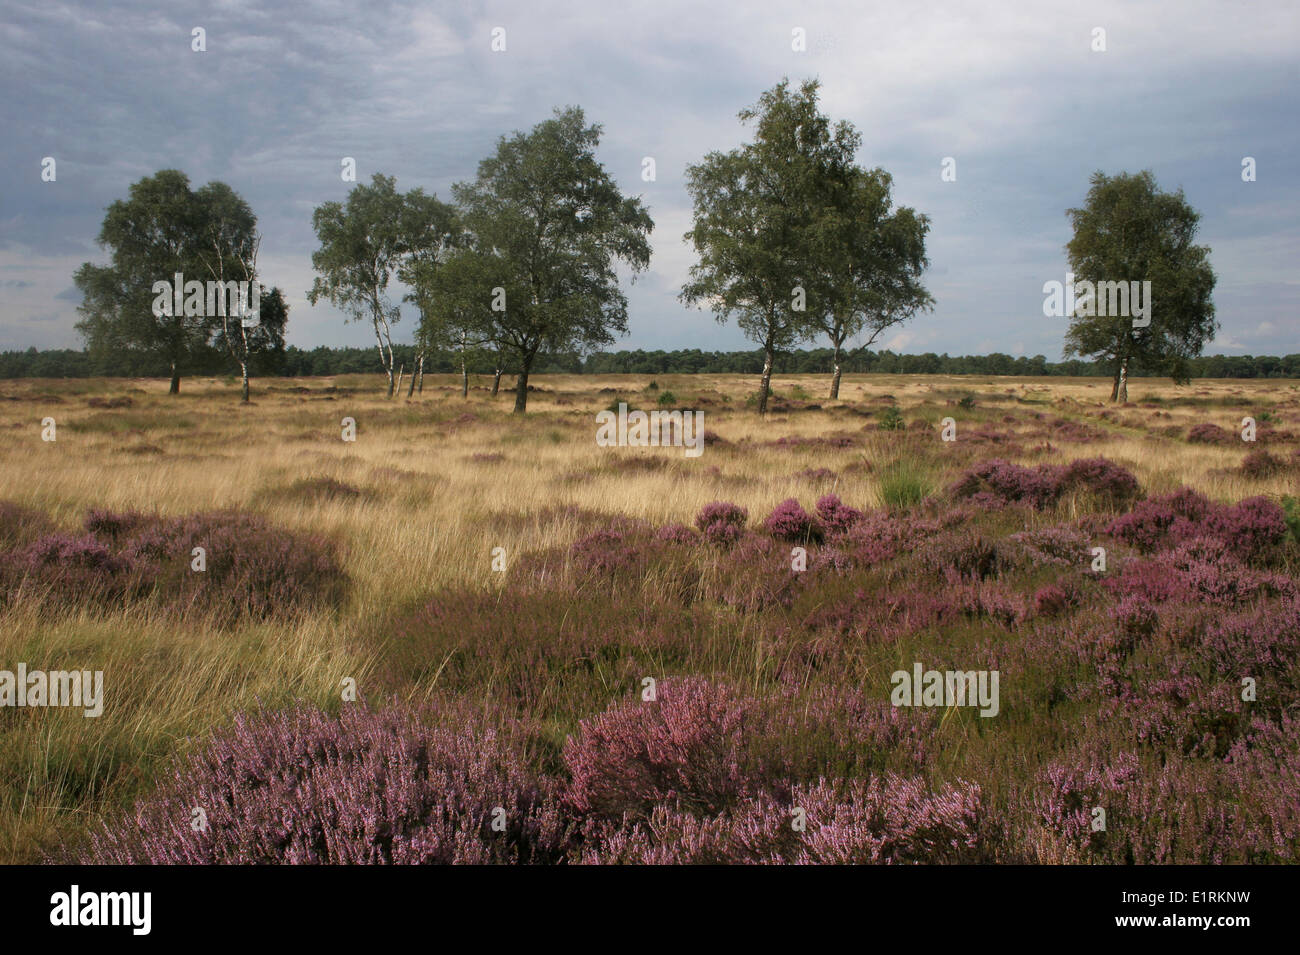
column 323, row 360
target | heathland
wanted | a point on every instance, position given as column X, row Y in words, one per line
column 499, row 588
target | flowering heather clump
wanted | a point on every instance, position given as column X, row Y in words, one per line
column 1070, row 792
column 1172, row 708
column 253, row 568
column 1261, row 641
column 1265, row 771
column 1207, row 433
column 721, row 522
column 837, row 728
column 713, row 439
column 1135, row 618
column 1001, row 482
column 63, row 568
column 683, row 748
column 677, row 534
column 113, row 526
column 1260, row 464
column 1063, row 429
column 1097, row 476
column 1050, row 601
column 992, row 601
column 789, row 521
column 963, row 555
column 1188, row 574
column 755, row 575
column 301, row 787
column 887, row 820
column 21, row 525
column 1054, row 546
column 1253, row 529
column 1155, row 521
column 835, row 516
column 876, row 537
column 604, row 553
column 1145, row 527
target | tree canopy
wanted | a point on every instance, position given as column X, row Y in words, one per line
column 1128, row 230
column 545, row 226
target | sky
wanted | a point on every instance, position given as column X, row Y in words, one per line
column 1014, row 92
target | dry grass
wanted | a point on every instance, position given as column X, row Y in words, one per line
column 430, row 513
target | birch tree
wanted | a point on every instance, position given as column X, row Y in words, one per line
column 545, row 226
column 1128, row 231
column 362, row 245
column 758, row 209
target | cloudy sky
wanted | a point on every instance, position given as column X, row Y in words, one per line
column 1013, row 91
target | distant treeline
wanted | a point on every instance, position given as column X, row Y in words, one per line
column 296, row 362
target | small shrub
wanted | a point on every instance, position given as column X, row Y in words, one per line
column 1291, row 514
column 789, row 521
column 1260, row 464
column 890, row 418
column 1097, row 476
column 1000, row 482
column 682, row 748
column 302, row 787
column 835, row 516
column 1207, row 433
column 721, row 522
column 667, row 398
column 677, row 534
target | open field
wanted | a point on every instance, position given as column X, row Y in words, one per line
column 594, row 599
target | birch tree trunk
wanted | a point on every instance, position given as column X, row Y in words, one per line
column 767, row 378
column 835, row 379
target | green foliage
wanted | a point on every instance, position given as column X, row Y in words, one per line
column 904, row 484
column 543, row 197
column 1291, row 507
column 967, row 403
column 753, row 233
column 667, row 399
column 890, row 419
column 362, row 245
column 162, row 228
column 1128, row 230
